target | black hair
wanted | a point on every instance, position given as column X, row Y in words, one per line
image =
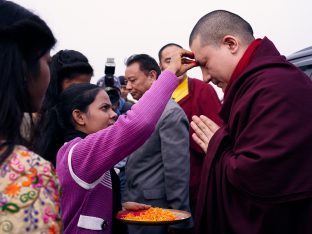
column 166, row 46
column 113, row 94
column 146, row 63
column 65, row 64
column 213, row 26
column 59, row 119
column 24, row 39
column 122, row 80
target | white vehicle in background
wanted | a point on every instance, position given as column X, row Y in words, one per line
column 303, row 60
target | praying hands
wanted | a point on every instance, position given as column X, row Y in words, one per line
column 204, row 129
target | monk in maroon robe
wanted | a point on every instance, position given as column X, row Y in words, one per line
column 196, row 98
column 257, row 174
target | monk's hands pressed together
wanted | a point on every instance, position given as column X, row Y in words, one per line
column 204, row 129
column 181, row 61
column 134, row 206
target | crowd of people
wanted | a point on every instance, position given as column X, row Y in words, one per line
column 73, row 154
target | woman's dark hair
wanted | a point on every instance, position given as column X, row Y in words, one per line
column 65, row 64
column 59, row 120
column 24, row 39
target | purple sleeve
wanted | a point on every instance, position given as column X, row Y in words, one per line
column 100, row 151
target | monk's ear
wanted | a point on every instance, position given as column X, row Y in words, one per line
column 152, row 75
column 78, row 117
column 231, row 43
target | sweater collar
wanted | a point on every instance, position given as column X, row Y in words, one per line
column 73, row 133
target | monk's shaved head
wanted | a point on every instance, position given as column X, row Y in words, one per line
column 213, row 26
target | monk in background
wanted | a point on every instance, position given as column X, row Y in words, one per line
column 195, row 98
column 257, row 173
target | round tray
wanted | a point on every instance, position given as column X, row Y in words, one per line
column 180, row 215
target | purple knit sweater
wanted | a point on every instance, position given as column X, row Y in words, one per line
column 83, row 164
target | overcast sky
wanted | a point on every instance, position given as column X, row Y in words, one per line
column 116, row 28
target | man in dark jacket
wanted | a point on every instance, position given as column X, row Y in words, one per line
column 258, row 168
column 157, row 173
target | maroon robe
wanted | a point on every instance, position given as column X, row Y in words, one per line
column 201, row 100
column 257, row 174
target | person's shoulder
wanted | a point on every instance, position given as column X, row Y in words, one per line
column 196, row 81
column 173, row 108
column 30, row 159
column 199, row 84
column 201, row 90
column 173, row 105
column 26, row 155
column 67, row 146
column 24, row 161
column 29, row 174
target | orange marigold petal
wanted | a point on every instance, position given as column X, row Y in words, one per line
column 152, row 214
column 12, row 189
column 24, row 153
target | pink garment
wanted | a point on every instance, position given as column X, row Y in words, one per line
column 87, row 194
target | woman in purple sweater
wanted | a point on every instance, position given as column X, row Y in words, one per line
column 95, row 143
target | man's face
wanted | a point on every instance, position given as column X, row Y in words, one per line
column 124, row 91
column 137, row 81
column 166, row 55
column 216, row 62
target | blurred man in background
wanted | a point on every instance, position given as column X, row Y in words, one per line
column 157, row 173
